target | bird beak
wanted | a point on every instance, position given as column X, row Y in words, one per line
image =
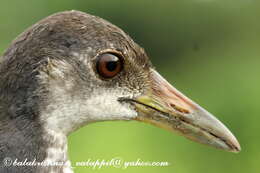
column 166, row 107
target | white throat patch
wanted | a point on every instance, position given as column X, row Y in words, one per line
column 66, row 114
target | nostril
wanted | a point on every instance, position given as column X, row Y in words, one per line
column 181, row 110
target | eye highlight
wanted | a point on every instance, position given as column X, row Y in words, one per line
column 108, row 65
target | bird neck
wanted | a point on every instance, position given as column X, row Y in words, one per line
column 56, row 151
column 25, row 142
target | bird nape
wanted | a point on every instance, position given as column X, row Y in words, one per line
column 72, row 69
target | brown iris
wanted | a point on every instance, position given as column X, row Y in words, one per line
column 109, row 65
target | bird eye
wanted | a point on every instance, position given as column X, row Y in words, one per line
column 109, row 65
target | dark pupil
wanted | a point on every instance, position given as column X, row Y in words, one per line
column 111, row 65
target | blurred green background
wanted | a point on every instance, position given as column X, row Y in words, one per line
column 208, row 49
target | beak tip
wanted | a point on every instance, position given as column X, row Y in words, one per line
column 236, row 147
column 235, row 150
column 232, row 144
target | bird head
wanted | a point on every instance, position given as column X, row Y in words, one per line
column 89, row 70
